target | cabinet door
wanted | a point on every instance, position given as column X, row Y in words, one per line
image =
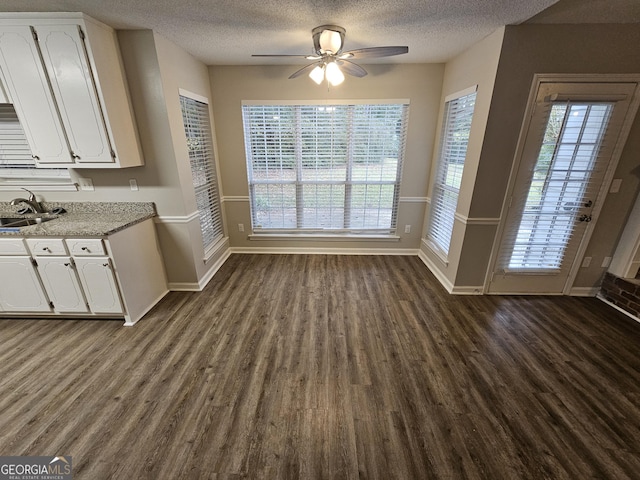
column 27, row 84
column 20, row 289
column 61, row 283
column 99, row 284
column 65, row 58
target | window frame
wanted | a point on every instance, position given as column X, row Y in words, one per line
column 441, row 222
column 300, row 231
column 210, row 220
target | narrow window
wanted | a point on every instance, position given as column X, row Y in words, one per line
column 454, row 139
column 197, row 128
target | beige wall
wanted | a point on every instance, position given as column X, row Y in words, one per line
column 531, row 49
column 476, row 66
column 179, row 70
column 230, row 85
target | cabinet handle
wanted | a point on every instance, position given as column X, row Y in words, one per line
column 46, row 249
column 105, row 264
column 67, row 264
column 84, row 249
column 76, row 156
column 35, row 157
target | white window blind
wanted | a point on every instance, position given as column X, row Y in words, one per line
column 17, row 167
column 318, row 168
column 197, row 128
column 454, row 139
column 561, row 185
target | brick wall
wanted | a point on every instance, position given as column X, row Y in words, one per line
column 623, row 293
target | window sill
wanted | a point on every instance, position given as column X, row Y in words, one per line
column 436, row 251
column 326, row 237
column 70, row 187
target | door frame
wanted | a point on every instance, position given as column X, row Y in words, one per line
column 538, row 79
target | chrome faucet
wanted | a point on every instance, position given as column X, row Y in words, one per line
column 31, row 202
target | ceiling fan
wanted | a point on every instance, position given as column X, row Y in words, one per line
column 330, row 60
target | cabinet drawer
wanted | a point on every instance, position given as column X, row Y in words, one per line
column 12, row 246
column 46, row 246
column 81, row 247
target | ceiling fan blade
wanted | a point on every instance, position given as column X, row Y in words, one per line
column 351, row 68
column 278, row 55
column 304, row 70
column 374, row 52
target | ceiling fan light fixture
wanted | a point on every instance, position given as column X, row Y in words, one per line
column 333, row 73
column 330, row 41
column 317, row 74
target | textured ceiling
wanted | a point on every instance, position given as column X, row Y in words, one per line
column 225, row 32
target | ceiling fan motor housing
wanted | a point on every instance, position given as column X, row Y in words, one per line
column 328, row 39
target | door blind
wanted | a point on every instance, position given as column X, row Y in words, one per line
column 454, row 140
column 556, row 204
column 197, row 129
column 315, row 168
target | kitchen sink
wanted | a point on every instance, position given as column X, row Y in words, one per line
column 16, row 222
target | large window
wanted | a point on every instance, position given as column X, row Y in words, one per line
column 456, row 127
column 197, row 128
column 325, row 168
column 17, row 167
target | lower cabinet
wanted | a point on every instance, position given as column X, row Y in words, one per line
column 20, row 286
column 99, row 284
column 121, row 275
column 61, row 283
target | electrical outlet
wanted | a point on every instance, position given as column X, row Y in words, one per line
column 586, row 262
column 241, row 227
column 86, row 184
column 133, row 184
column 606, row 262
column 407, row 229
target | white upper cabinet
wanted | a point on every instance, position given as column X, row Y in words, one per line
column 25, row 78
column 65, row 77
column 64, row 57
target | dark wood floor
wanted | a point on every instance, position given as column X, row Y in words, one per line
column 330, row 367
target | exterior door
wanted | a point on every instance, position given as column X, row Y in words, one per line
column 568, row 150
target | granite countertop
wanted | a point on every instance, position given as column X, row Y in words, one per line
column 82, row 219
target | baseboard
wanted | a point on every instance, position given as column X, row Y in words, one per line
column 584, row 291
column 621, row 310
column 446, row 283
column 199, row 286
column 214, row 269
column 184, row 287
column 324, row 251
column 129, row 322
column 469, row 290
